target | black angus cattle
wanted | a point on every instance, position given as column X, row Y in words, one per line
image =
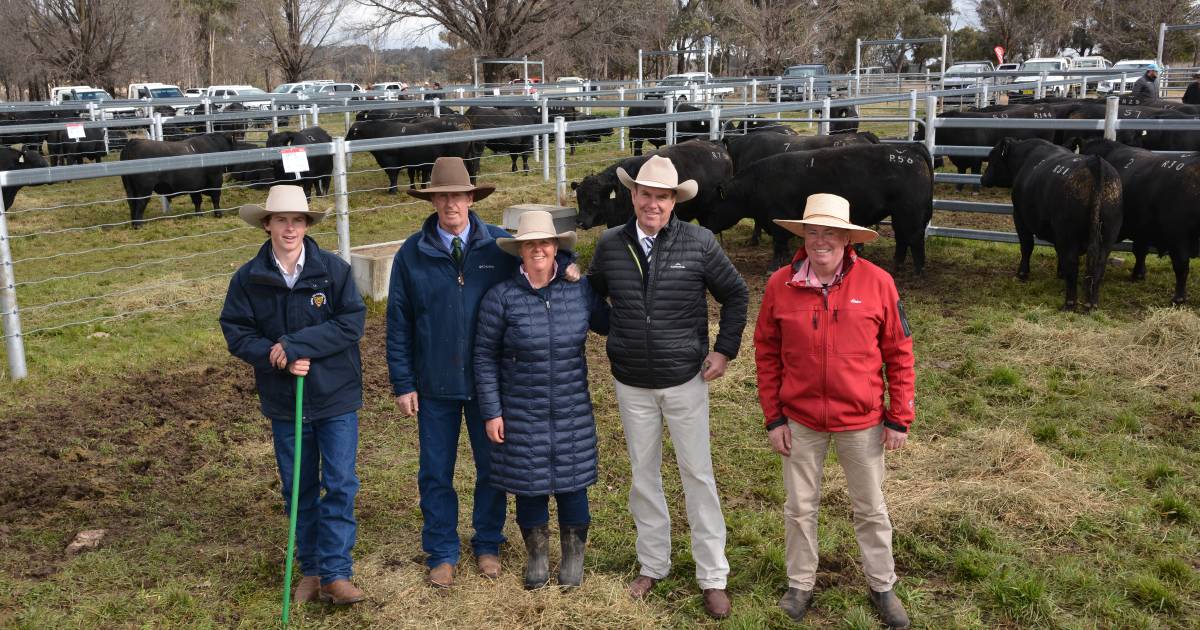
column 261, row 175
column 843, row 126
column 194, row 182
column 1167, row 139
column 878, row 179
column 657, row 134
column 412, row 116
column 750, row 148
column 577, row 137
column 31, row 139
column 1070, row 200
column 602, row 199
column 1158, row 193
column 417, row 160
column 982, row 137
column 757, row 125
column 498, row 117
column 15, row 160
column 65, row 150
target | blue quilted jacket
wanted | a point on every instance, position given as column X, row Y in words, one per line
column 531, row 368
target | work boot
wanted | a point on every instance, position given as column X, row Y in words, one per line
column 489, row 565
column 442, row 576
column 716, row 603
column 341, row 592
column 795, row 603
column 570, row 570
column 640, row 587
column 307, row 590
column 537, row 564
column 890, row 610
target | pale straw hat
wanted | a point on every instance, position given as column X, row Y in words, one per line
column 533, row 226
column 282, row 198
column 829, row 211
column 450, row 175
column 659, row 172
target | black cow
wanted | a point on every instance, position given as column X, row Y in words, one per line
column 417, row 160
column 1159, row 194
column 497, row 117
column 657, row 134
column 843, row 126
column 603, row 199
column 878, row 179
column 1070, row 200
column 1168, row 139
column 578, row 137
column 980, row 137
column 66, row 150
column 15, row 160
column 757, row 125
column 194, row 182
column 750, row 148
column 413, row 116
column 261, row 175
column 31, row 139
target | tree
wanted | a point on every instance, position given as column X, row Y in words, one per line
column 82, row 41
column 210, row 18
column 1030, row 28
column 297, row 31
column 775, row 33
column 1130, row 29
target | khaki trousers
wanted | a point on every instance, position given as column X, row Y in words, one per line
column 861, row 455
column 685, row 408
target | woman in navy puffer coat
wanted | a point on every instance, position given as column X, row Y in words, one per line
column 531, row 379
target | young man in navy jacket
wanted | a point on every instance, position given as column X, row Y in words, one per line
column 294, row 310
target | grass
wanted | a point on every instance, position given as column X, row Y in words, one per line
column 1050, row 480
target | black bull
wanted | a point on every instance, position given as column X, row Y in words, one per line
column 417, row 160
column 878, row 179
column 193, row 182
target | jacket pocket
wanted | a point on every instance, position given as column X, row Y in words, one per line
column 856, row 331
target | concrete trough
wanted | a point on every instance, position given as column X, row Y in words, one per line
column 372, row 268
column 564, row 218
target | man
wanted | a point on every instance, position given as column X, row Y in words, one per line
column 294, row 311
column 439, row 277
column 1192, row 95
column 655, row 271
column 1146, row 87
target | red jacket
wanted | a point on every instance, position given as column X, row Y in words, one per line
column 821, row 357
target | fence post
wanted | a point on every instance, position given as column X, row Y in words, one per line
column 346, row 103
column 316, row 116
column 155, row 128
column 810, row 91
column 1040, row 91
column 779, row 97
column 620, row 113
column 14, row 344
column 91, row 111
column 208, row 127
column 545, row 142
column 714, row 123
column 274, row 119
column 754, row 91
column 1110, row 117
column 930, row 129
column 984, row 94
column 670, row 102
column 560, row 159
column 826, row 114
column 341, row 199
column 912, row 114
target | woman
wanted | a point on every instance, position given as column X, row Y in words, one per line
column 829, row 322
column 531, row 380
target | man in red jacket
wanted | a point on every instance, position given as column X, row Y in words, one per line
column 831, row 325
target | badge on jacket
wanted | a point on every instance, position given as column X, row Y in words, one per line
column 318, row 300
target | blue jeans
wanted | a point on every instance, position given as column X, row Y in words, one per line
column 534, row 511
column 439, row 423
column 325, row 525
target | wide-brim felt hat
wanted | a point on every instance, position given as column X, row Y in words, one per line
column 659, row 172
column 829, row 211
column 535, row 225
column 450, row 175
column 282, row 198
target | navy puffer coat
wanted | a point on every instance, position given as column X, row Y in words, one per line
column 530, row 368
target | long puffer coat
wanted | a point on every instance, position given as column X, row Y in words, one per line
column 531, row 368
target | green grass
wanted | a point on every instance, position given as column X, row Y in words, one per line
column 1050, row 480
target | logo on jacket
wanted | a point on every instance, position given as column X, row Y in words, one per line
column 318, row 300
column 487, row 266
column 677, row 266
column 855, row 301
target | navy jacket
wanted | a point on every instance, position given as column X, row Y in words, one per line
column 531, row 368
column 431, row 315
column 321, row 318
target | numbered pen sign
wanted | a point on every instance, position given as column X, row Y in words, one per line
column 75, row 131
column 295, row 160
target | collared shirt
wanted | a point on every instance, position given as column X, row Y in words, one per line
column 807, row 277
column 642, row 236
column 448, row 238
column 290, row 279
column 553, row 272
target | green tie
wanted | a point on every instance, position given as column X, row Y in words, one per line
column 456, row 251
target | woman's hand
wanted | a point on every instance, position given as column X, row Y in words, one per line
column 892, row 439
column 278, row 357
column 781, row 440
column 495, row 429
column 299, row 367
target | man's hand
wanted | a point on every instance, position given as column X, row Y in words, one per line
column 495, row 429
column 714, row 366
column 407, row 404
column 893, row 439
column 299, row 367
column 781, row 440
column 572, row 273
column 278, row 356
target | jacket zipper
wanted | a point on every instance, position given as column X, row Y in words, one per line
column 550, row 410
column 825, row 362
column 647, row 276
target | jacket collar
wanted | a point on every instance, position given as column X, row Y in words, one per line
column 848, row 260
column 563, row 259
column 264, row 271
column 665, row 233
column 431, row 241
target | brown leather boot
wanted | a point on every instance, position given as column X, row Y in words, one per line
column 489, row 565
column 890, row 610
column 341, row 592
column 716, row 603
column 307, row 590
column 442, row 576
column 640, row 586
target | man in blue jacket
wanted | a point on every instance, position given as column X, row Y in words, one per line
column 294, row 310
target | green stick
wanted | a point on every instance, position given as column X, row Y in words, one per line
column 291, row 547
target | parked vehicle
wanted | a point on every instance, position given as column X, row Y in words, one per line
column 1055, row 69
column 563, row 86
column 963, row 75
column 148, row 91
column 324, row 90
column 1091, row 62
column 195, row 92
column 795, row 91
column 866, row 71
column 84, row 94
column 227, row 91
column 1135, row 69
column 686, row 87
column 1007, row 67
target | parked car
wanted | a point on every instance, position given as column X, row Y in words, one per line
column 686, row 87
column 866, row 71
column 1091, row 62
column 148, row 91
column 1055, row 69
column 563, row 86
column 195, row 92
column 84, row 94
column 1007, row 67
column 795, row 91
column 324, row 90
column 223, row 92
column 1135, row 69
column 962, row 75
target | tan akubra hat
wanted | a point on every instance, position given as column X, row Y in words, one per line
column 533, row 226
column 659, row 172
column 830, row 211
column 450, row 175
column 282, row 198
